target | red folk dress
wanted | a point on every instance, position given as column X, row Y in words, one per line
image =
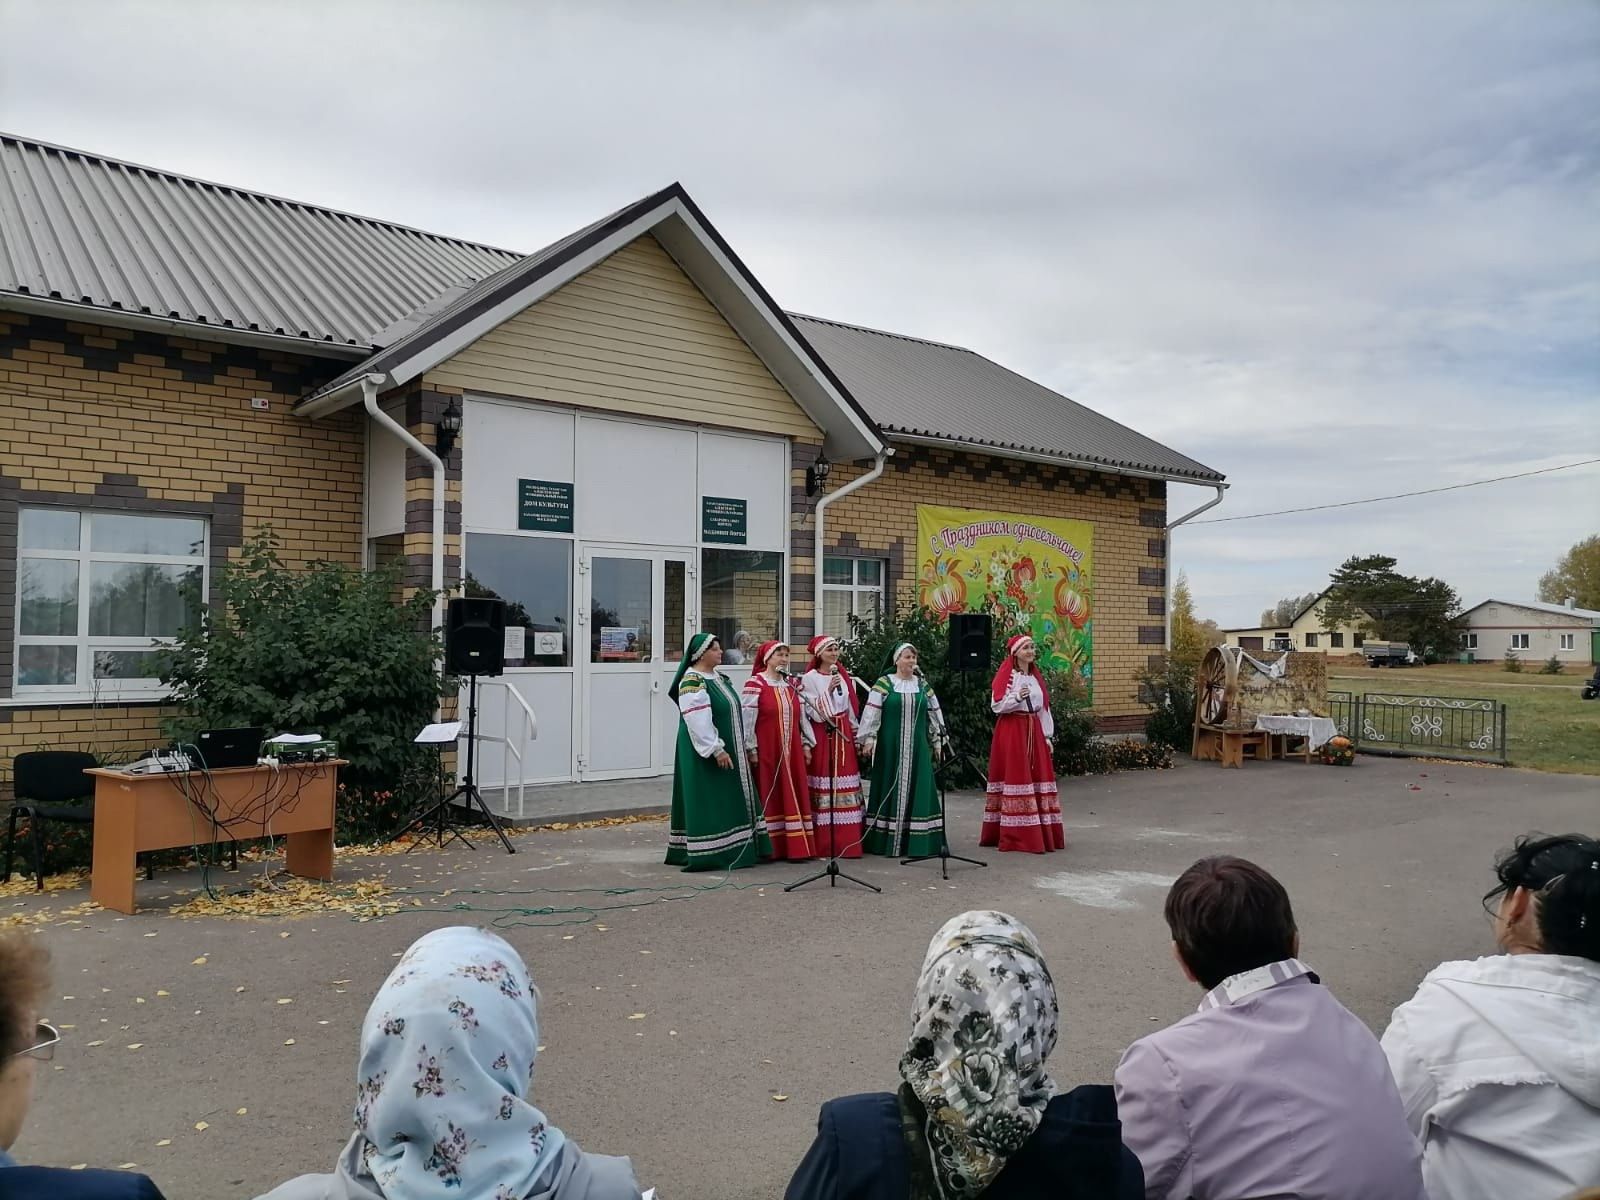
column 833, row 772
column 1022, row 811
column 775, row 727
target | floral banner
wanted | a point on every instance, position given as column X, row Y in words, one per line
column 1033, row 571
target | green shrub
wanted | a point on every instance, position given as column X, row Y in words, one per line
column 325, row 649
column 1552, row 666
column 1168, row 692
column 1512, row 662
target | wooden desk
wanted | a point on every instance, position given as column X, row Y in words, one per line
column 134, row 813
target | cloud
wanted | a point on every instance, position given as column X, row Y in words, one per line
column 1332, row 250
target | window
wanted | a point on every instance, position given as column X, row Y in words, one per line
column 1469, row 641
column 741, row 599
column 1336, row 641
column 851, row 587
column 99, row 593
column 1311, row 641
column 533, row 575
column 1358, row 641
column 1519, row 641
column 1567, row 641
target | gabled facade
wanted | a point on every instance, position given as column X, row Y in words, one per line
column 1533, row 630
column 1308, row 631
column 649, row 445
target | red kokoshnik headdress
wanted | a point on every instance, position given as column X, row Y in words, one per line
column 1002, row 677
column 764, row 652
column 815, row 647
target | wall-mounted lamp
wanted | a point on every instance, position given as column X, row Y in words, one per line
column 817, row 474
column 448, row 429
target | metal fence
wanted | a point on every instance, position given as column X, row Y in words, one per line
column 1436, row 726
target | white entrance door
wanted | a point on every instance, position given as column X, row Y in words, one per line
column 636, row 611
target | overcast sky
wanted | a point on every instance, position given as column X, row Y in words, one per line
column 1332, row 250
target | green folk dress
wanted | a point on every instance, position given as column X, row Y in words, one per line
column 903, row 805
column 716, row 823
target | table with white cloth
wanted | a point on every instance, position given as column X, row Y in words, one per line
column 1315, row 730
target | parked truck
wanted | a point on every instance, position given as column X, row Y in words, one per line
column 1391, row 654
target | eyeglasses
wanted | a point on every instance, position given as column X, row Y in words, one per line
column 45, row 1038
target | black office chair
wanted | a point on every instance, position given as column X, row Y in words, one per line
column 47, row 782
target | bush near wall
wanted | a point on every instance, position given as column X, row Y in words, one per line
column 965, row 698
column 324, row 649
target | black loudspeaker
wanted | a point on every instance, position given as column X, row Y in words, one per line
column 475, row 636
column 970, row 638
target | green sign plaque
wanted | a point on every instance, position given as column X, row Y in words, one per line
column 545, row 505
column 724, row 520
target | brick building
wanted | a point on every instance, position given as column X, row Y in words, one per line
column 648, row 444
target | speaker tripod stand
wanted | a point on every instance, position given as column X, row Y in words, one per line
column 439, row 817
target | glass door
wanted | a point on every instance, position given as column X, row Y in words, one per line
column 636, row 610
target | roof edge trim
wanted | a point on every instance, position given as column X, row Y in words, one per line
column 920, row 439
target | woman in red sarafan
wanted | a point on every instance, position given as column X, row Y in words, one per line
column 1023, row 812
column 828, row 692
column 779, row 737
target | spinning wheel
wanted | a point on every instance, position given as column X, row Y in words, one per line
column 1216, row 685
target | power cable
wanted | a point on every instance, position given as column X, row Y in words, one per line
column 1283, row 512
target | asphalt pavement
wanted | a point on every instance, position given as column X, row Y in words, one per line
column 696, row 1023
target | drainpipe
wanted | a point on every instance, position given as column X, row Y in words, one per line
column 1171, row 525
column 817, row 549
column 369, row 398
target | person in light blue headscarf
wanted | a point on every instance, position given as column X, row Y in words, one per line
column 444, row 1106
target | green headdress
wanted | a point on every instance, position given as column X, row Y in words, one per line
column 697, row 646
column 889, row 667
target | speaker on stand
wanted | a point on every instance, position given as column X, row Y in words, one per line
column 971, row 641
column 474, row 645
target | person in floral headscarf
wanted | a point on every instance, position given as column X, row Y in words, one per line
column 977, row 1114
column 1022, row 811
column 444, row 1107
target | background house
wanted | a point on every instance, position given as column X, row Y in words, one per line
column 1535, row 630
column 1308, row 631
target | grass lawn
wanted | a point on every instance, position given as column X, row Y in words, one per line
column 1549, row 727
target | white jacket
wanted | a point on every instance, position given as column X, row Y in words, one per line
column 1498, row 1064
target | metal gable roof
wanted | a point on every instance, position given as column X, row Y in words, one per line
column 934, row 390
column 107, row 234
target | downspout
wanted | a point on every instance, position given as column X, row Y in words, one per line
column 1171, row 525
column 369, row 398
column 817, row 547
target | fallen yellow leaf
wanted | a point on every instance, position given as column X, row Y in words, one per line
column 135, row 1045
column 98, row 1042
column 290, row 1042
column 202, row 1126
column 164, row 1142
column 239, row 1112
column 286, row 1000
column 199, row 962
column 163, row 992
column 637, row 1017
column 780, row 1098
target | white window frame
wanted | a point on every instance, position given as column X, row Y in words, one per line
column 1311, row 641
column 1469, row 641
column 87, row 687
column 1569, row 641
column 855, row 588
column 1520, row 641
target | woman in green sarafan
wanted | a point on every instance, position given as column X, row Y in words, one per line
column 716, row 821
column 902, row 732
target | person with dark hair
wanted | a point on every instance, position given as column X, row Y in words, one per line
column 1272, row 1088
column 977, row 1113
column 1498, row 1059
column 24, row 1041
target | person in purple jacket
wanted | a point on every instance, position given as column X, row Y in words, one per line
column 1272, row 1088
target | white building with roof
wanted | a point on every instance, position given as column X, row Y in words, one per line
column 1536, row 631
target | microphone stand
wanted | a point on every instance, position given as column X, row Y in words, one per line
column 831, row 872
column 943, row 852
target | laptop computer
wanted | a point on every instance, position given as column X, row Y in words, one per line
column 222, row 748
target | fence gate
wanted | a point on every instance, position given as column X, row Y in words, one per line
column 1435, row 726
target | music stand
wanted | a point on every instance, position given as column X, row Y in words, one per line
column 831, row 872
column 440, row 813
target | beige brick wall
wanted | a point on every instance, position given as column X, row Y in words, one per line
column 107, row 418
column 880, row 521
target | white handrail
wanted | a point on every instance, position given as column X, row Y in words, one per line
column 511, row 747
